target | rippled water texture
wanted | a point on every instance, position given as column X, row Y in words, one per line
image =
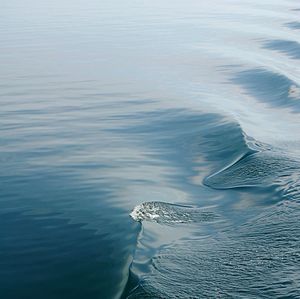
column 149, row 149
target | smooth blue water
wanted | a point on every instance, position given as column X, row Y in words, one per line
column 149, row 149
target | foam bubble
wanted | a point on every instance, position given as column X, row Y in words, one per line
column 161, row 212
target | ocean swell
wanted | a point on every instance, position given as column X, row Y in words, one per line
column 238, row 154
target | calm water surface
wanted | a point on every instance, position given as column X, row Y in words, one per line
column 149, row 149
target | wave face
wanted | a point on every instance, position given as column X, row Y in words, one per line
column 244, row 159
column 260, row 262
column 149, row 149
column 258, row 169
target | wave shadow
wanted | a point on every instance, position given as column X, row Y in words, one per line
column 293, row 25
column 287, row 47
column 269, row 87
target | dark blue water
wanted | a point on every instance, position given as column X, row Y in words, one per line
column 149, row 149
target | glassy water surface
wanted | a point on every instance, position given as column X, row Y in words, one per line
column 149, row 149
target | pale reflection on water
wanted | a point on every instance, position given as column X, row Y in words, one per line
column 107, row 105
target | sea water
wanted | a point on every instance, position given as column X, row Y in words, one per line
column 149, row 149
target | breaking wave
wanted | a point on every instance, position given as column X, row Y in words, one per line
column 167, row 213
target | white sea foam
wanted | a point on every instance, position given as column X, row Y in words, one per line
column 294, row 92
column 169, row 213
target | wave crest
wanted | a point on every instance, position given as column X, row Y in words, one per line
column 167, row 213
